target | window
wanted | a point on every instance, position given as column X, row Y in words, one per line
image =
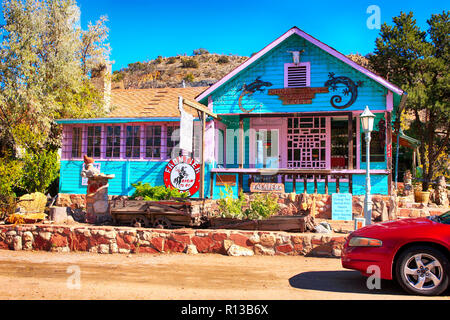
column 94, row 139
column 133, row 142
column 172, row 139
column 153, row 142
column 112, row 142
column 377, row 143
column 297, row 76
column 76, row 142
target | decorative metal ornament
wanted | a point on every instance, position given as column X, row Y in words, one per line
column 250, row 89
column 351, row 88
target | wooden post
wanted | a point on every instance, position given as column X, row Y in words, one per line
column 294, row 181
column 315, row 183
column 338, row 188
column 202, row 174
column 326, row 184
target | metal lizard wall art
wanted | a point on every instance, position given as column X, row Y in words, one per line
column 250, row 89
column 350, row 88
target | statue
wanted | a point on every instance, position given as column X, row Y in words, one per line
column 97, row 205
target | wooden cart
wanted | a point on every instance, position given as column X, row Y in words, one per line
column 164, row 214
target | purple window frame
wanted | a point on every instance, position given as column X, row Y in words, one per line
column 111, row 142
column 133, row 142
column 94, row 141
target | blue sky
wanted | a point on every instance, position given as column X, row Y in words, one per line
column 141, row 30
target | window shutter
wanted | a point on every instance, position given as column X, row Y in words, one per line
column 297, row 76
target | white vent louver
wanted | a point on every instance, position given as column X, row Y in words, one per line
column 297, row 76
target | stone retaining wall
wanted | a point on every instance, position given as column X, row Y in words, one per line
column 108, row 240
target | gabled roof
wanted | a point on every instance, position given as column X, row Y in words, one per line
column 312, row 40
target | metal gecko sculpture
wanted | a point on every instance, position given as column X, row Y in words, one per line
column 256, row 85
column 351, row 88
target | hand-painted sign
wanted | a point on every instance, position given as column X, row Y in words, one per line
column 183, row 173
column 341, row 206
column 303, row 95
column 267, row 187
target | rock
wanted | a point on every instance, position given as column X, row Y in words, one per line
column 261, row 250
column 191, row 249
column 238, row 251
column 267, row 239
column 323, row 227
column 17, row 243
column 58, row 214
column 103, row 248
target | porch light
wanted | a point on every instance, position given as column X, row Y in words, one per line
column 367, row 119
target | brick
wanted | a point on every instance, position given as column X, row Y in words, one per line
column 58, row 240
column 285, row 248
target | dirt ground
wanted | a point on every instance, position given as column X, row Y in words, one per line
column 45, row 275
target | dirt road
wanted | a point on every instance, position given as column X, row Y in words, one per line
column 44, row 275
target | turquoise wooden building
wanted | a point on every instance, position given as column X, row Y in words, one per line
column 287, row 115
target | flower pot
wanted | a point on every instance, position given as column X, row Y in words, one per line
column 422, row 196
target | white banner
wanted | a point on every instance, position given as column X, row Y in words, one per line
column 186, row 128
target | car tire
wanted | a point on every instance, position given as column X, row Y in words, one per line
column 423, row 270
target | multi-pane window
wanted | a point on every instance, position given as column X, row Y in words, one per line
column 76, row 142
column 153, row 142
column 172, row 140
column 113, row 142
column 133, row 142
column 94, row 139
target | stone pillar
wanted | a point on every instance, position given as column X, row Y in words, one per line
column 97, row 205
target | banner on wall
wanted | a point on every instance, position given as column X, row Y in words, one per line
column 186, row 129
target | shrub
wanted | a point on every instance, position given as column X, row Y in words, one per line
column 200, row 51
column 263, row 206
column 171, row 60
column 10, row 173
column 223, row 60
column 230, row 207
column 189, row 77
column 149, row 193
column 189, row 63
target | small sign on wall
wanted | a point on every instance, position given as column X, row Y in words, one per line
column 341, row 206
column 267, row 187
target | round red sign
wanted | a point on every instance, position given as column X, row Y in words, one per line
column 183, row 173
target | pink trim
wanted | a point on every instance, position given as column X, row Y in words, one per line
column 358, row 143
column 256, row 170
column 314, row 41
column 308, row 72
column 389, row 101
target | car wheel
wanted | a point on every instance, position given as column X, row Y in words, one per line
column 423, row 270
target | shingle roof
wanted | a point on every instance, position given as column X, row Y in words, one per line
column 148, row 103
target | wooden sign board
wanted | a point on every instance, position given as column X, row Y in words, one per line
column 267, row 187
column 303, row 95
column 225, row 179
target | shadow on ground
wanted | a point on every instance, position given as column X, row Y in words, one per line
column 341, row 281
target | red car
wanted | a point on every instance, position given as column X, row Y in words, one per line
column 415, row 252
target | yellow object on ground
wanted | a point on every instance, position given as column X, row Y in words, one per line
column 32, row 203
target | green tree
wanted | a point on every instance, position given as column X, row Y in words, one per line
column 45, row 65
column 419, row 62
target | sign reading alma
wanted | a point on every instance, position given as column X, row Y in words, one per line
column 303, row 95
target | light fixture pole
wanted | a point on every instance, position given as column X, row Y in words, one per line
column 367, row 119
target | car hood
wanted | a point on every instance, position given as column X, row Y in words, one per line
column 389, row 226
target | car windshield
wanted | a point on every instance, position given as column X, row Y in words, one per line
column 443, row 218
